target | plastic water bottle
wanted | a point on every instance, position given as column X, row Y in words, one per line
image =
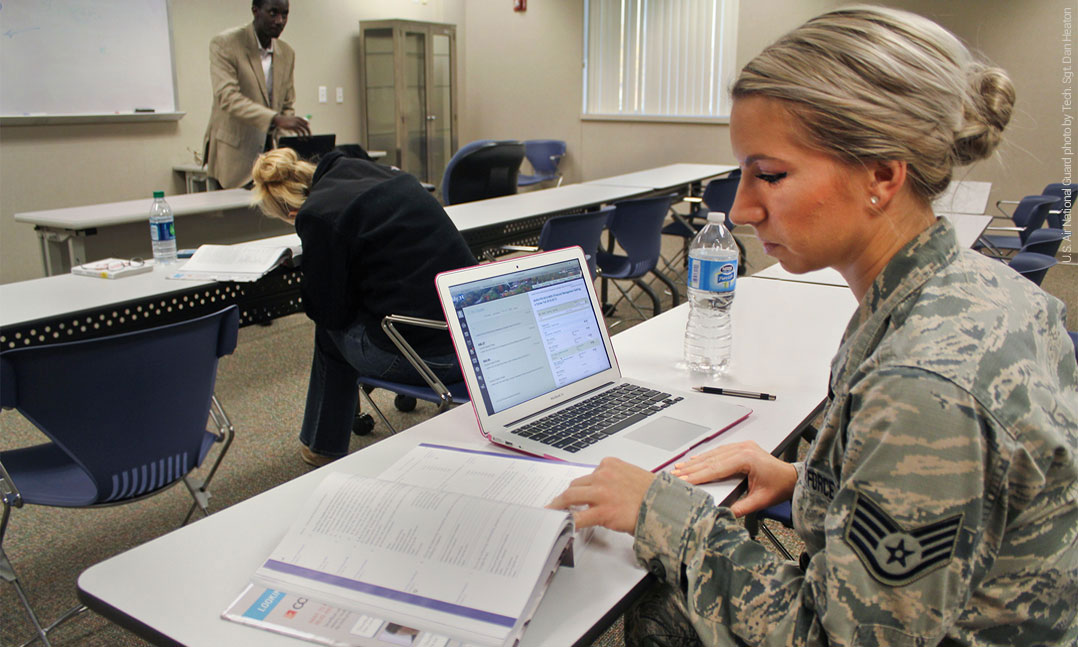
column 712, row 276
column 162, row 230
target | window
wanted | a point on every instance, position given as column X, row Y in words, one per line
column 659, row 59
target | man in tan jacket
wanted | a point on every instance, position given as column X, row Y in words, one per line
column 251, row 73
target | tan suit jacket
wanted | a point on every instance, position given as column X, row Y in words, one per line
column 242, row 112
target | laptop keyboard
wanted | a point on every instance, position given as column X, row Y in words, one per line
column 589, row 421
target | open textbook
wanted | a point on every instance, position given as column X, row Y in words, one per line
column 446, row 547
column 242, row 262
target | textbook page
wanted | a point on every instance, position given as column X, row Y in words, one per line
column 512, row 478
column 322, row 622
column 438, row 561
column 243, row 262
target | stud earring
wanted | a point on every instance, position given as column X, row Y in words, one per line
column 874, row 200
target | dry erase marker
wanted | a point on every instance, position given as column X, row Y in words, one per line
column 738, row 394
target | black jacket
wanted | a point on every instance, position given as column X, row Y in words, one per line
column 373, row 240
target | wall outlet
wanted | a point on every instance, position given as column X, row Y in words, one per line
column 321, row 94
column 340, row 95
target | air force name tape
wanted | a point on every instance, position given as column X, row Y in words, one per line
column 896, row 556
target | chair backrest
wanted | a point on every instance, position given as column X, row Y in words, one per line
column 637, row 227
column 544, row 155
column 131, row 409
column 1031, row 265
column 1031, row 213
column 482, row 169
column 583, row 229
column 719, row 194
column 1044, row 241
column 1065, row 192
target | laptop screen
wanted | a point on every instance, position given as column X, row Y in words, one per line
column 530, row 332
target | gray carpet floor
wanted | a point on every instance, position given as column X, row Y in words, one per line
column 262, row 386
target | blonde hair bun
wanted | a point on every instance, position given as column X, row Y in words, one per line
column 281, row 182
column 992, row 99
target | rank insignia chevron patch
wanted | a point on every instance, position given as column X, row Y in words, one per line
column 896, row 556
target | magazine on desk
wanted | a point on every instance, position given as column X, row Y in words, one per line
column 446, row 547
column 242, row 262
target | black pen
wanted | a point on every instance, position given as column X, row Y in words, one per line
column 740, row 394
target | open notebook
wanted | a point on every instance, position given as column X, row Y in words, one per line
column 541, row 372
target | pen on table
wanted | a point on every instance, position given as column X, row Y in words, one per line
column 740, row 394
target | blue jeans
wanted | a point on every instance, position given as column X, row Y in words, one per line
column 341, row 357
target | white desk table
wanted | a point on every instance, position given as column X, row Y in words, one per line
column 968, row 228
column 64, row 233
column 172, row 590
column 664, row 177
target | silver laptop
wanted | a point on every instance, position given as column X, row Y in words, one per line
column 542, row 375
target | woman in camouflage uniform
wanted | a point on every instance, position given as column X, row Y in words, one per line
column 938, row 504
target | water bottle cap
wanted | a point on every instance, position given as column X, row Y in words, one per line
column 158, row 194
column 716, row 217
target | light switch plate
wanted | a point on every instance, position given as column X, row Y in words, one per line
column 321, row 94
column 340, row 95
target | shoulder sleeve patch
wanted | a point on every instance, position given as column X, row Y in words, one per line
column 894, row 555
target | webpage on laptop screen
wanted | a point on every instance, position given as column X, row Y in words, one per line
column 529, row 333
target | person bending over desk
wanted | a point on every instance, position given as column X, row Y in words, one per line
column 938, row 503
column 373, row 240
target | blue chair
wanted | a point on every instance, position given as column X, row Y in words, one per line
column 1065, row 193
column 444, row 395
column 584, row 230
column 1028, row 217
column 636, row 226
column 482, row 169
column 1032, row 265
column 718, row 196
column 125, row 417
column 544, row 155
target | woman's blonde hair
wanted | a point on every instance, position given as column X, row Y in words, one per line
column 282, row 181
column 870, row 83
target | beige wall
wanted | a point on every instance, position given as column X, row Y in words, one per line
column 520, row 77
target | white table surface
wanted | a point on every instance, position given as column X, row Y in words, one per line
column 178, row 584
column 496, row 211
column 63, row 294
column 116, row 213
column 668, row 176
column 967, row 229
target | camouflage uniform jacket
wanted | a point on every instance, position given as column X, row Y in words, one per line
column 938, row 504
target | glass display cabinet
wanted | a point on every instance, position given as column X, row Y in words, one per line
column 408, row 94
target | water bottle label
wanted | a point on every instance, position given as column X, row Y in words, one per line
column 711, row 275
column 162, row 231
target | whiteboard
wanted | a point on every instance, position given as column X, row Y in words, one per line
column 85, row 57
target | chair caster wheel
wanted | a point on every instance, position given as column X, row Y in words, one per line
column 362, row 424
column 404, row 403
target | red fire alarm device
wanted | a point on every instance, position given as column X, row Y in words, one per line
column 520, row 5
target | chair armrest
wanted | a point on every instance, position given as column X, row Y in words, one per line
column 1005, row 229
column 1000, row 203
column 412, row 356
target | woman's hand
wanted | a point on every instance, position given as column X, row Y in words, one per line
column 610, row 496
column 771, row 480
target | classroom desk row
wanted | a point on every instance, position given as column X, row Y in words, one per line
column 784, row 336
column 75, row 235
column 66, row 307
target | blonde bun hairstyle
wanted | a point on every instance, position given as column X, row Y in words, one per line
column 871, row 83
column 281, row 182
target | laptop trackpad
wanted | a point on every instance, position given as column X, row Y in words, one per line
column 667, row 433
